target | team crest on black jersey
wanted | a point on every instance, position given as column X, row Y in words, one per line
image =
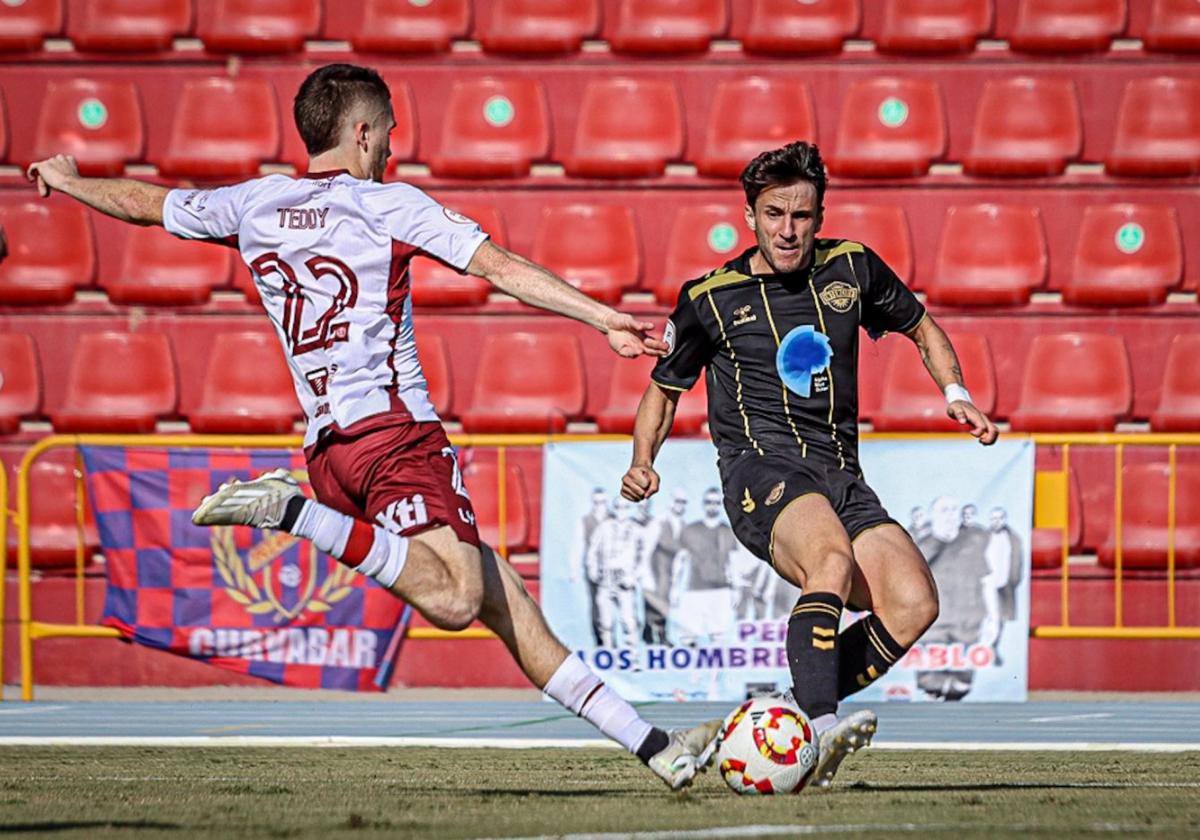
column 839, row 296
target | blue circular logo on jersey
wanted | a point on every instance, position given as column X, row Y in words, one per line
column 803, row 353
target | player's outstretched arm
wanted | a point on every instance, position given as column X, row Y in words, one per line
column 942, row 363
column 121, row 198
column 655, row 414
column 537, row 286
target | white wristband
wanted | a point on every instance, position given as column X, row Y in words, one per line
column 954, row 393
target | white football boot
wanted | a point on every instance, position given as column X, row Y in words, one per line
column 260, row 502
column 688, row 752
column 850, row 734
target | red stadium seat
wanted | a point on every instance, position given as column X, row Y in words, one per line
column 1074, row 382
column 911, row 400
column 259, row 26
column 118, row 382
column 1174, row 27
column 54, row 529
column 539, row 26
column 1158, row 129
column 158, row 269
column 23, row 26
column 889, row 128
column 628, row 128
column 246, row 399
column 527, row 382
column 100, row 123
column 435, row 362
column 785, row 27
column 1126, row 255
column 436, row 284
column 1144, row 518
column 668, row 26
column 629, row 380
column 1046, row 545
column 934, row 26
column 482, row 477
column 989, row 254
column 1059, row 26
column 749, row 116
column 3, row 129
column 222, row 128
column 493, row 128
column 703, row 238
column 401, row 26
column 1025, row 127
column 1179, row 407
column 20, row 381
column 128, row 25
column 51, row 252
column 881, row 227
column 594, row 247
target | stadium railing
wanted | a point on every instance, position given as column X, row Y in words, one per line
column 1051, row 512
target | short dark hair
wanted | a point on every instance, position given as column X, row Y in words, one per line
column 794, row 162
column 328, row 95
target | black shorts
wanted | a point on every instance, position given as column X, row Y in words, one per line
column 758, row 488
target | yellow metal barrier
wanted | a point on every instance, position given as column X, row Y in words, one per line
column 1119, row 442
column 1051, row 513
column 31, row 630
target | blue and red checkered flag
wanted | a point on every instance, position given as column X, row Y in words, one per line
column 257, row 602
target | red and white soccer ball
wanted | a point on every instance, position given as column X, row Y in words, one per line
column 767, row 746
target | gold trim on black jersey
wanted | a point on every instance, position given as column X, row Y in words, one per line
column 787, row 411
column 737, row 368
column 812, row 287
column 715, row 280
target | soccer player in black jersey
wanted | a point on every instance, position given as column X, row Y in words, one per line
column 775, row 331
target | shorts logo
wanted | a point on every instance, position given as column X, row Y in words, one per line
column 466, row 516
column 669, row 336
column 839, row 296
column 742, row 315
column 403, row 514
column 776, row 493
column 748, row 504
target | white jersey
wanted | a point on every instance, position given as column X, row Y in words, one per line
column 330, row 255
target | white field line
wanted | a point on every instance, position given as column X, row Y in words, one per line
column 532, row 743
column 866, row 828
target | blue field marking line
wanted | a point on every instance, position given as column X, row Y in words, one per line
column 1059, row 726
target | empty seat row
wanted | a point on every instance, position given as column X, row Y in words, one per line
column 540, row 27
column 537, row 382
column 499, row 127
column 1144, row 536
column 987, row 254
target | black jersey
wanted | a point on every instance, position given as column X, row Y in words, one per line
column 781, row 350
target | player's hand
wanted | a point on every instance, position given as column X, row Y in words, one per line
column 52, row 173
column 630, row 337
column 966, row 414
column 641, row 482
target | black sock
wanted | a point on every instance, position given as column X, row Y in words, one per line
column 865, row 652
column 654, row 743
column 292, row 512
column 812, row 642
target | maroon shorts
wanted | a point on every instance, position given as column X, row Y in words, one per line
column 402, row 476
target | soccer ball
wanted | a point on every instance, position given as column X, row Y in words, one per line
column 767, row 746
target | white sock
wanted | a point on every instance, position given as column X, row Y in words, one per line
column 578, row 689
column 820, row 724
column 331, row 533
column 325, row 527
column 386, row 558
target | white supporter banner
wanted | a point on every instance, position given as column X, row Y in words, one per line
column 662, row 602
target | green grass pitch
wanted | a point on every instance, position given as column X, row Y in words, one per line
column 99, row 792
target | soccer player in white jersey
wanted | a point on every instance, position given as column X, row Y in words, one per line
column 330, row 256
